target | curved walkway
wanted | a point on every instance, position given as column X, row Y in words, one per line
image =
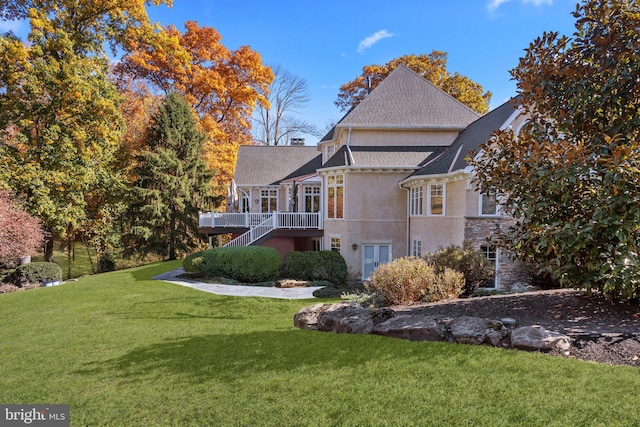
column 235, row 290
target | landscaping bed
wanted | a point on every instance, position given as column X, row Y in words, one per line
column 602, row 331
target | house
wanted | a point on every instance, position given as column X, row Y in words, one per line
column 389, row 180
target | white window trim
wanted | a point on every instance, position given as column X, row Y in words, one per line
column 496, row 280
column 444, row 199
column 414, row 244
column 417, row 208
column 326, row 196
column 269, row 196
column 497, row 212
column 335, row 236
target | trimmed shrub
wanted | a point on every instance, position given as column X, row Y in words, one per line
column 37, row 272
column 193, row 262
column 476, row 269
column 314, row 265
column 409, row 280
column 248, row 264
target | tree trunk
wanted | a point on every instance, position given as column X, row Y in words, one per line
column 49, row 241
column 86, row 245
column 69, row 260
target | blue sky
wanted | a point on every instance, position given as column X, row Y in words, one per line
column 328, row 42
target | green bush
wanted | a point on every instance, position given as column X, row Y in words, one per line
column 6, row 276
column 248, row 264
column 106, row 262
column 476, row 269
column 37, row 272
column 409, row 280
column 314, row 265
column 193, row 262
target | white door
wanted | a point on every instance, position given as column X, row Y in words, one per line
column 373, row 256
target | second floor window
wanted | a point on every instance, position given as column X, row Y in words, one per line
column 488, row 204
column 416, row 195
column 335, row 196
column 436, row 199
column 311, row 199
column 268, row 201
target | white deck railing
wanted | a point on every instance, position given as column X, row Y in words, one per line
column 283, row 220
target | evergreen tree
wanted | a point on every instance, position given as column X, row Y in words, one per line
column 172, row 182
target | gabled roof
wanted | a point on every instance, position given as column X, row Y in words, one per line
column 383, row 156
column 261, row 165
column 405, row 99
column 470, row 139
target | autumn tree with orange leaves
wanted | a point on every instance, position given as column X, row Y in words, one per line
column 432, row 67
column 223, row 86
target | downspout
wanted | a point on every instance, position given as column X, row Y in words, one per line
column 351, row 160
column 408, row 251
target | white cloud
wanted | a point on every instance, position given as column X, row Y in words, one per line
column 373, row 39
column 494, row 4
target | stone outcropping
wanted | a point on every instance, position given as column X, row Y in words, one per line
column 352, row 318
column 537, row 338
column 413, row 328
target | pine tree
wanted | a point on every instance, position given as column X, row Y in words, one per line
column 172, row 183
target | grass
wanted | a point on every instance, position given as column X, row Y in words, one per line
column 80, row 266
column 124, row 350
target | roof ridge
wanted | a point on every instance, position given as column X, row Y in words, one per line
column 441, row 90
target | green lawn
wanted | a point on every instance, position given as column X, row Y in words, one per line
column 123, row 350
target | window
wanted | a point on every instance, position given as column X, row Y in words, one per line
column 436, row 199
column 488, row 204
column 244, row 203
column 416, row 195
column 335, row 196
column 335, row 244
column 315, row 243
column 311, row 199
column 416, row 248
column 268, row 201
column 490, row 253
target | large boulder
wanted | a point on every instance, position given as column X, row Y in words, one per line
column 475, row 331
column 411, row 327
column 307, row 318
column 536, row 338
column 345, row 318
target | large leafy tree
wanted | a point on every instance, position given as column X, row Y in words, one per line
column 223, row 86
column 173, row 183
column 61, row 128
column 59, row 113
column 432, row 66
column 571, row 178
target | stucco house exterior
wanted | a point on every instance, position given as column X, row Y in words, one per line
column 389, row 180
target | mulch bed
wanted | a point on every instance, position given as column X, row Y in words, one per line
column 602, row 331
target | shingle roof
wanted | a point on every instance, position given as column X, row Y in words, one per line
column 384, row 156
column 405, row 99
column 258, row 164
column 470, row 139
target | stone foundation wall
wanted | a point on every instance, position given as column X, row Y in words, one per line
column 479, row 231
